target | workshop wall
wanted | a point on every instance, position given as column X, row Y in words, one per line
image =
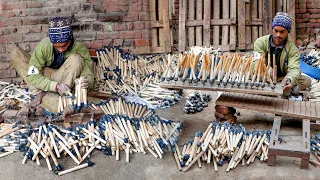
column 97, row 23
column 308, row 21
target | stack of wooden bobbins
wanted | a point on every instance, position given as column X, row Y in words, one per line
column 121, row 73
column 222, row 143
column 11, row 95
column 208, row 66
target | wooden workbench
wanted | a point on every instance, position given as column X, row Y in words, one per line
column 229, row 88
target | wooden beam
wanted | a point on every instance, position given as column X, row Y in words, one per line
column 182, row 25
column 166, row 26
column 241, row 25
column 206, row 23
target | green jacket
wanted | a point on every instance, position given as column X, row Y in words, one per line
column 42, row 56
column 290, row 54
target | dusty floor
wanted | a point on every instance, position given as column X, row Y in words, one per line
column 147, row 167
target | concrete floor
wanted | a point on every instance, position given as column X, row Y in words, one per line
column 148, row 167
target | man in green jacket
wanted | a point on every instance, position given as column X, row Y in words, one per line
column 54, row 65
column 286, row 54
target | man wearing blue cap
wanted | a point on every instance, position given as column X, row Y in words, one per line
column 286, row 54
column 54, row 65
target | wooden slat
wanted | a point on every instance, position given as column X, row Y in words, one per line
column 166, row 28
column 279, row 6
column 182, row 25
column 214, row 22
column 306, row 133
column 206, row 23
column 241, row 24
column 275, row 130
column 242, row 89
column 292, row 12
column 225, row 29
column 260, row 9
column 248, row 28
column 154, row 41
column 233, row 15
column 216, row 16
column 199, row 17
column 254, row 15
column 191, row 14
column 267, row 16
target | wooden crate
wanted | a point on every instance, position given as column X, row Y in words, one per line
column 161, row 26
column 207, row 22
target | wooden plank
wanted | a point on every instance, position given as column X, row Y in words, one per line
column 318, row 107
column 297, row 107
column 260, row 9
column 100, row 95
column 285, row 5
column 288, row 151
column 279, row 6
column 214, row 22
column 216, row 29
column 233, row 15
column 166, row 28
column 225, row 29
column 248, row 28
column 267, row 16
column 191, row 35
column 242, row 89
column 254, row 15
column 241, row 24
column 206, row 23
column 159, row 24
column 275, row 132
column 182, row 25
column 199, row 12
column 306, row 134
column 154, row 41
column 292, row 12
column 313, row 111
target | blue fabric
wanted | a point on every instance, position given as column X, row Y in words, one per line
column 282, row 19
column 59, row 58
column 60, row 30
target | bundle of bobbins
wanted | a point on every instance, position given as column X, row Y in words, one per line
column 196, row 102
column 224, row 113
column 121, row 73
column 223, row 143
column 208, row 66
column 315, row 149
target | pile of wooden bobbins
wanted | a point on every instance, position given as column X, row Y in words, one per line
column 122, row 73
column 126, row 127
column 222, row 143
column 11, row 95
column 207, row 65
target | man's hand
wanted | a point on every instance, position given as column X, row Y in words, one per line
column 286, row 84
column 62, row 89
column 83, row 81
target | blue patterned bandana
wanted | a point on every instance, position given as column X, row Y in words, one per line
column 60, row 30
column 282, row 19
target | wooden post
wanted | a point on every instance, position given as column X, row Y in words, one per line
column 233, row 27
column 241, row 25
column 254, row 16
column 182, row 25
column 206, row 23
column 166, row 26
column 216, row 28
column 225, row 28
column 154, row 42
column 199, row 27
column 267, row 16
column 292, row 12
column 191, row 28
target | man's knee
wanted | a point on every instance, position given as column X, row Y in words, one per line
column 75, row 60
column 304, row 82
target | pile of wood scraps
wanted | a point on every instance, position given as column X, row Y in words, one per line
column 121, row 73
column 222, row 143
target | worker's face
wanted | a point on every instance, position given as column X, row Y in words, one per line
column 280, row 34
column 62, row 47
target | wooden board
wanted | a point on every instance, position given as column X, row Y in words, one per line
column 242, row 89
column 277, row 106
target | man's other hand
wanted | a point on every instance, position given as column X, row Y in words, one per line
column 62, row 89
column 286, row 84
column 83, row 81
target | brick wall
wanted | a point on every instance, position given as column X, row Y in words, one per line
column 97, row 23
column 307, row 19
